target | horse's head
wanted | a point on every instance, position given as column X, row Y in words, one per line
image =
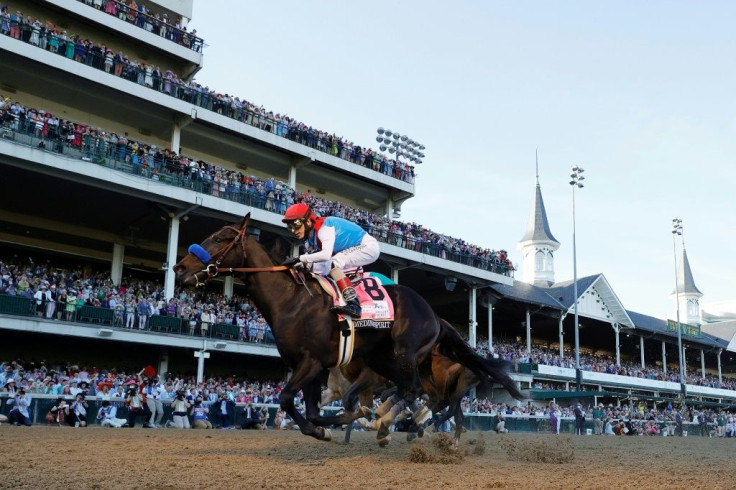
column 224, row 248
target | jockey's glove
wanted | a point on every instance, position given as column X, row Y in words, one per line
column 293, row 262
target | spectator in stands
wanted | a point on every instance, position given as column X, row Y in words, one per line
column 501, row 424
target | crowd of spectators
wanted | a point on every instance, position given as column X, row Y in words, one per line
column 59, row 293
column 270, row 194
column 155, row 22
column 75, row 384
column 54, row 39
column 66, row 379
column 516, row 352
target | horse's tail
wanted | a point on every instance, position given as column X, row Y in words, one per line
column 488, row 371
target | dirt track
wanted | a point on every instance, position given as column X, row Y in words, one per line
column 49, row 457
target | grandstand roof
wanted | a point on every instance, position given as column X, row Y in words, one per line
column 659, row 326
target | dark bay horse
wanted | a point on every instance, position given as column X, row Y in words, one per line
column 306, row 331
column 444, row 381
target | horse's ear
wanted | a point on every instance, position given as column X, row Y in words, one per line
column 245, row 221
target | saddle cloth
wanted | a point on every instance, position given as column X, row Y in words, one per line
column 377, row 309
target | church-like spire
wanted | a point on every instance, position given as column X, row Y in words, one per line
column 538, row 245
column 685, row 281
column 537, row 228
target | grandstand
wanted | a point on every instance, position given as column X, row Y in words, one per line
column 139, row 170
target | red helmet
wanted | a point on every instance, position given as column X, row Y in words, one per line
column 298, row 211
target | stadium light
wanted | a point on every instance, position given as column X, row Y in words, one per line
column 400, row 145
column 576, row 178
column 677, row 230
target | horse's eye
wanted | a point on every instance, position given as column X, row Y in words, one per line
column 217, row 240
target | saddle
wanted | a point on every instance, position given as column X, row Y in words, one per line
column 377, row 309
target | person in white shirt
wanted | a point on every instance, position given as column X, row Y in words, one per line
column 20, row 402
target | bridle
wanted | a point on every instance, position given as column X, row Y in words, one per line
column 213, row 268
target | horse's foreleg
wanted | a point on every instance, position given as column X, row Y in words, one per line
column 303, row 375
column 349, row 403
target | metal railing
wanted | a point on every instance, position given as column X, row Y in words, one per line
column 167, row 83
column 98, row 317
column 150, row 23
column 97, row 150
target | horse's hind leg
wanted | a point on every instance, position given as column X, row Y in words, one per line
column 304, row 377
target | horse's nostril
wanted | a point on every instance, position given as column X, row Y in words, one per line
column 179, row 269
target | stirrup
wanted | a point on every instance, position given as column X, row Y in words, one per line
column 351, row 308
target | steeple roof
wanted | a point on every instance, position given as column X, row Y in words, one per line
column 685, row 281
column 537, row 229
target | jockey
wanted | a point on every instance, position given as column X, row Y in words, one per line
column 339, row 244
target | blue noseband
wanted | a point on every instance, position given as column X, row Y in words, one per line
column 202, row 254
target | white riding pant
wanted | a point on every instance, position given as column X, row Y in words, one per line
column 365, row 253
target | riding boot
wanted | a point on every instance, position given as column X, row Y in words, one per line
column 352, row 306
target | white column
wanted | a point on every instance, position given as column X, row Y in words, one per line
column 473, row 324
column 292, row 176
column 528, row 332
column 171, row 247
column 617, row 329
column 664, row 357
column 200, row 366
column 116, row 272
column 490, row 328
column 389, row 207
column 684, row 363
column 718, row 358
column 561, row 336
column 641, row 350
column 201, row 355
column 176, row 135
column 163, row 364
column 702, row 363
column 395, row 274
column 227, row 288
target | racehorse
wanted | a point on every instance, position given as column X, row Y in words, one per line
column 306, row 331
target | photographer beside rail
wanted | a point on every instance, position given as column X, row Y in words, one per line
column 78, row 412
column 199, row 414
column 58, row 413
column 20, row 413
column 180, row 406
column 136, row 407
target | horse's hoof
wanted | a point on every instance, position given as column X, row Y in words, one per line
column 420, row 433
column 383, row 442
column 326, row 435
column 410, row 436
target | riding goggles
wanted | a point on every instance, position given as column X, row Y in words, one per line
column 293, row 225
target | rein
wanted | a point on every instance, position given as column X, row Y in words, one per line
column 213, row 269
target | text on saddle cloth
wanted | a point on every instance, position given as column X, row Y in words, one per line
column 377, row 309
